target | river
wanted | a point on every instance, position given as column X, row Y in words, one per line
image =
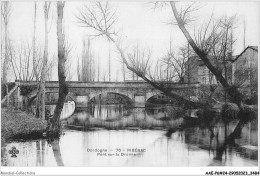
column 113, row 135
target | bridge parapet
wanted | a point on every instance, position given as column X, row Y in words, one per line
column 75, row 84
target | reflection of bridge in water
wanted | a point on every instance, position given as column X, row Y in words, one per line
column 82, row 92
column 115, row 117
column 191, row 147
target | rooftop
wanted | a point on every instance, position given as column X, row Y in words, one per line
column 249, row 47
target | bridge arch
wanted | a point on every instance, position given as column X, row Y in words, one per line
column 152, row 94
column 126, row 95
column 155, row 94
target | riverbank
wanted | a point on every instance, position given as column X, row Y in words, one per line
column 16, row 124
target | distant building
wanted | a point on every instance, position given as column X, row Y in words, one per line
column 197, row 71
column 245, row 69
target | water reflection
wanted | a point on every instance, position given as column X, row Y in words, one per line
column 202, row 145
column 190, row 147
column 121, row 117
column 35, row 153
column 108, row 112
column 68, row 109
column 55, row 144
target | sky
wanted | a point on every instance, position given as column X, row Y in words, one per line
column 139, row 23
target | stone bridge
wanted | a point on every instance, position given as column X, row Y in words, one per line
column 82, row 92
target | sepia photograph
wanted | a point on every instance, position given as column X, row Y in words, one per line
column 129, row 84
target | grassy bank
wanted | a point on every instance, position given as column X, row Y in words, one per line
column 20, row 125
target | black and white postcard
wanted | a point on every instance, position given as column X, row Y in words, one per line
column 111, row 87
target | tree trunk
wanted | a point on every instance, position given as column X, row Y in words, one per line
column 98, row 70
column 33, row 43
column 40, row 110
column 6, row 56
column 233, row 92
column 109, row 63
column 78, row 71
column 37, row 107
column 164, row 88
column 123, row 70
column 5, row 15
column 54, row 124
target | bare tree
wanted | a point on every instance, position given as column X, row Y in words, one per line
column 123, row 71
column 98, row 70
column 53, row 62
column 69, row 72
column 109, row 62
column 233, row 91
column 33, row 43
column 5, row 12
column 245, row 76
column 87, row 62
column 22, row 62
column 49, row 68
column 245, row 112
column 100, row 19
column 104, row 76
column 215, row 39
column 54, row 123
column 37, row 52
column 175, row 62
column 140, row 60
column 40, row 105
column 78, row 70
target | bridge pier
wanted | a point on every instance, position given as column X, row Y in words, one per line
column 139, row 101
column 19, row 98
column 82, row 101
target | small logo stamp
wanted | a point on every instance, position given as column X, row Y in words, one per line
column 13, row 152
